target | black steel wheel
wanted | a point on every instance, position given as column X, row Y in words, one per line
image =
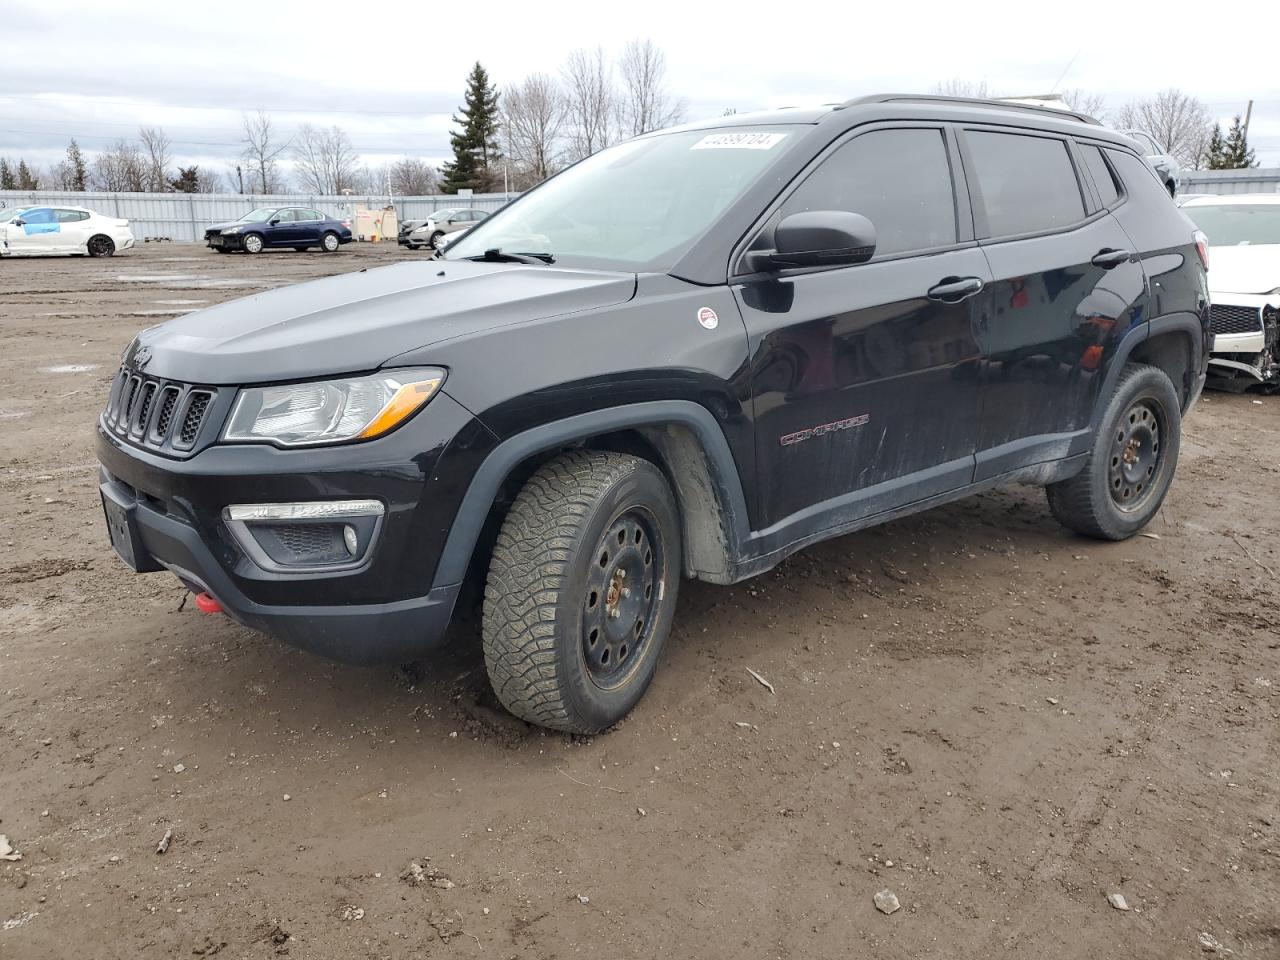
column 1130, row 468
column 100, row 245
column 581, row 590
column 1135, row 456
column 620, row 603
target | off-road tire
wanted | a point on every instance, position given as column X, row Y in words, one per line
column 543, row 576
column 1086, row 503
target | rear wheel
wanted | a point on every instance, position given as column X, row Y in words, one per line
column 330, row 242
column 100, row 245
column 1132, row 463
column 582, row 590
column 253, row 243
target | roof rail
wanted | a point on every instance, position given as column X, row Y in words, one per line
column 968, row 101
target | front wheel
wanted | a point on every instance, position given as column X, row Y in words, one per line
column 253, row 243
column 582, row 590
column 1130, row 468
column 437, row 240
column 330, row 242
column 101, row 246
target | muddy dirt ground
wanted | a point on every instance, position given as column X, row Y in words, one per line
column 998, row 721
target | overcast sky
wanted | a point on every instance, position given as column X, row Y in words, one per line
column 391, row 74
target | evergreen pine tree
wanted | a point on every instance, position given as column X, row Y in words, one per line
column 7, row 182
column 1236, row 153
column 77, row 175
column 26, row 181
column 1214, row 159
column 475, row 145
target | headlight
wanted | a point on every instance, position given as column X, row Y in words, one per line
column 331, row 411
column 231, row 230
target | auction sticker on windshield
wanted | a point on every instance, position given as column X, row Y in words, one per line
column 739, row 141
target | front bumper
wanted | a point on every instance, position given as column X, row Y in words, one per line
column 390, row 607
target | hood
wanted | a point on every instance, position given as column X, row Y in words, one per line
column 224, row 226
column 1249, row 268
column 358, row 321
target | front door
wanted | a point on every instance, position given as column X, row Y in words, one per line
column 864, row 377
column 1067, row 287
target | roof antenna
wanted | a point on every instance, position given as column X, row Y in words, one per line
column 1054, row 88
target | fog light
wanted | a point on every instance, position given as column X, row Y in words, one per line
column 350, row 539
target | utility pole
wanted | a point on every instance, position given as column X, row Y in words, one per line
column 240, row 177
column 1247, row 114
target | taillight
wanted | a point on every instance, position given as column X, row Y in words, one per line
column 1202, row 247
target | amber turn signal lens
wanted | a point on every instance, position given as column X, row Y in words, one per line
column 403, row 404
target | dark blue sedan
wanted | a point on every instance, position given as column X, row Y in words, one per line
column 297, row 227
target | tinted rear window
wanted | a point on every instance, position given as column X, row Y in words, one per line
column 898, row 179
column 1101, row 173
column 1028, row 183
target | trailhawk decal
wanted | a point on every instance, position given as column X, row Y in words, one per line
column 800, row 436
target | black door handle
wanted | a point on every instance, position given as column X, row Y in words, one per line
column 1107, row 258
column 955, row 289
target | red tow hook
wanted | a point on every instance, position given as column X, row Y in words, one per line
column 208, row 603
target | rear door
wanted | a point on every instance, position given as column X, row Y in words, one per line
column 1067, row 287
column 73, row 229
column 864, row 377
column 310, row 225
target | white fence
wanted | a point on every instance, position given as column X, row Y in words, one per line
column 1249, row 180
column 183, row 216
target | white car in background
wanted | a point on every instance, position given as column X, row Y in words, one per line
column 45, row 231
column 1244, row 285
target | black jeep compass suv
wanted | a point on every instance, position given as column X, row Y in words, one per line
column 689, row 355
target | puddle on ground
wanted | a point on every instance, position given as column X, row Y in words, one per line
column 180, row 259
column 177, row 312
column 196, row 281
column 179, row 303
column 71, row 368
column 13, row 414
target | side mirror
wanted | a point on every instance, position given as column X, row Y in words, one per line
column 19, row 222
column 275, row 222
column 822, row 238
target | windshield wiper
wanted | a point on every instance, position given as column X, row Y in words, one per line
column 495, row 255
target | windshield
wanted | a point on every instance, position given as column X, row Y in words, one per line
column 444, row 214
column 637, row 206
column 1237, row 224
column 257, row 216
column 7, row 215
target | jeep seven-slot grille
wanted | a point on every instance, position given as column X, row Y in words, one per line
column 157, row 414
column 1225, row 318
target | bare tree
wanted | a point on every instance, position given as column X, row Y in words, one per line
column 1177, row 121
column 156, row 147
column 959, row 87
column 533, row 112
column 412, row 177
column 208, row 181
column 590, row 100
column 263, row 147
column 645, row 103
column 324, row 159
column 1082, row 101
column 121, row 168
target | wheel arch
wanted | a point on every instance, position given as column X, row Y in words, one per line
column 1176, row 343
column 681, row 437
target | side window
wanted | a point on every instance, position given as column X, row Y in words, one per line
column 1028, row 183
column 1137, row 175
column 40, row 215
column 900, row 180
column 310, row 215
column 1103, row 179
column 286, row 216
column 71, row 216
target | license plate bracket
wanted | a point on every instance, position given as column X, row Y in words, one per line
column 126, row 539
